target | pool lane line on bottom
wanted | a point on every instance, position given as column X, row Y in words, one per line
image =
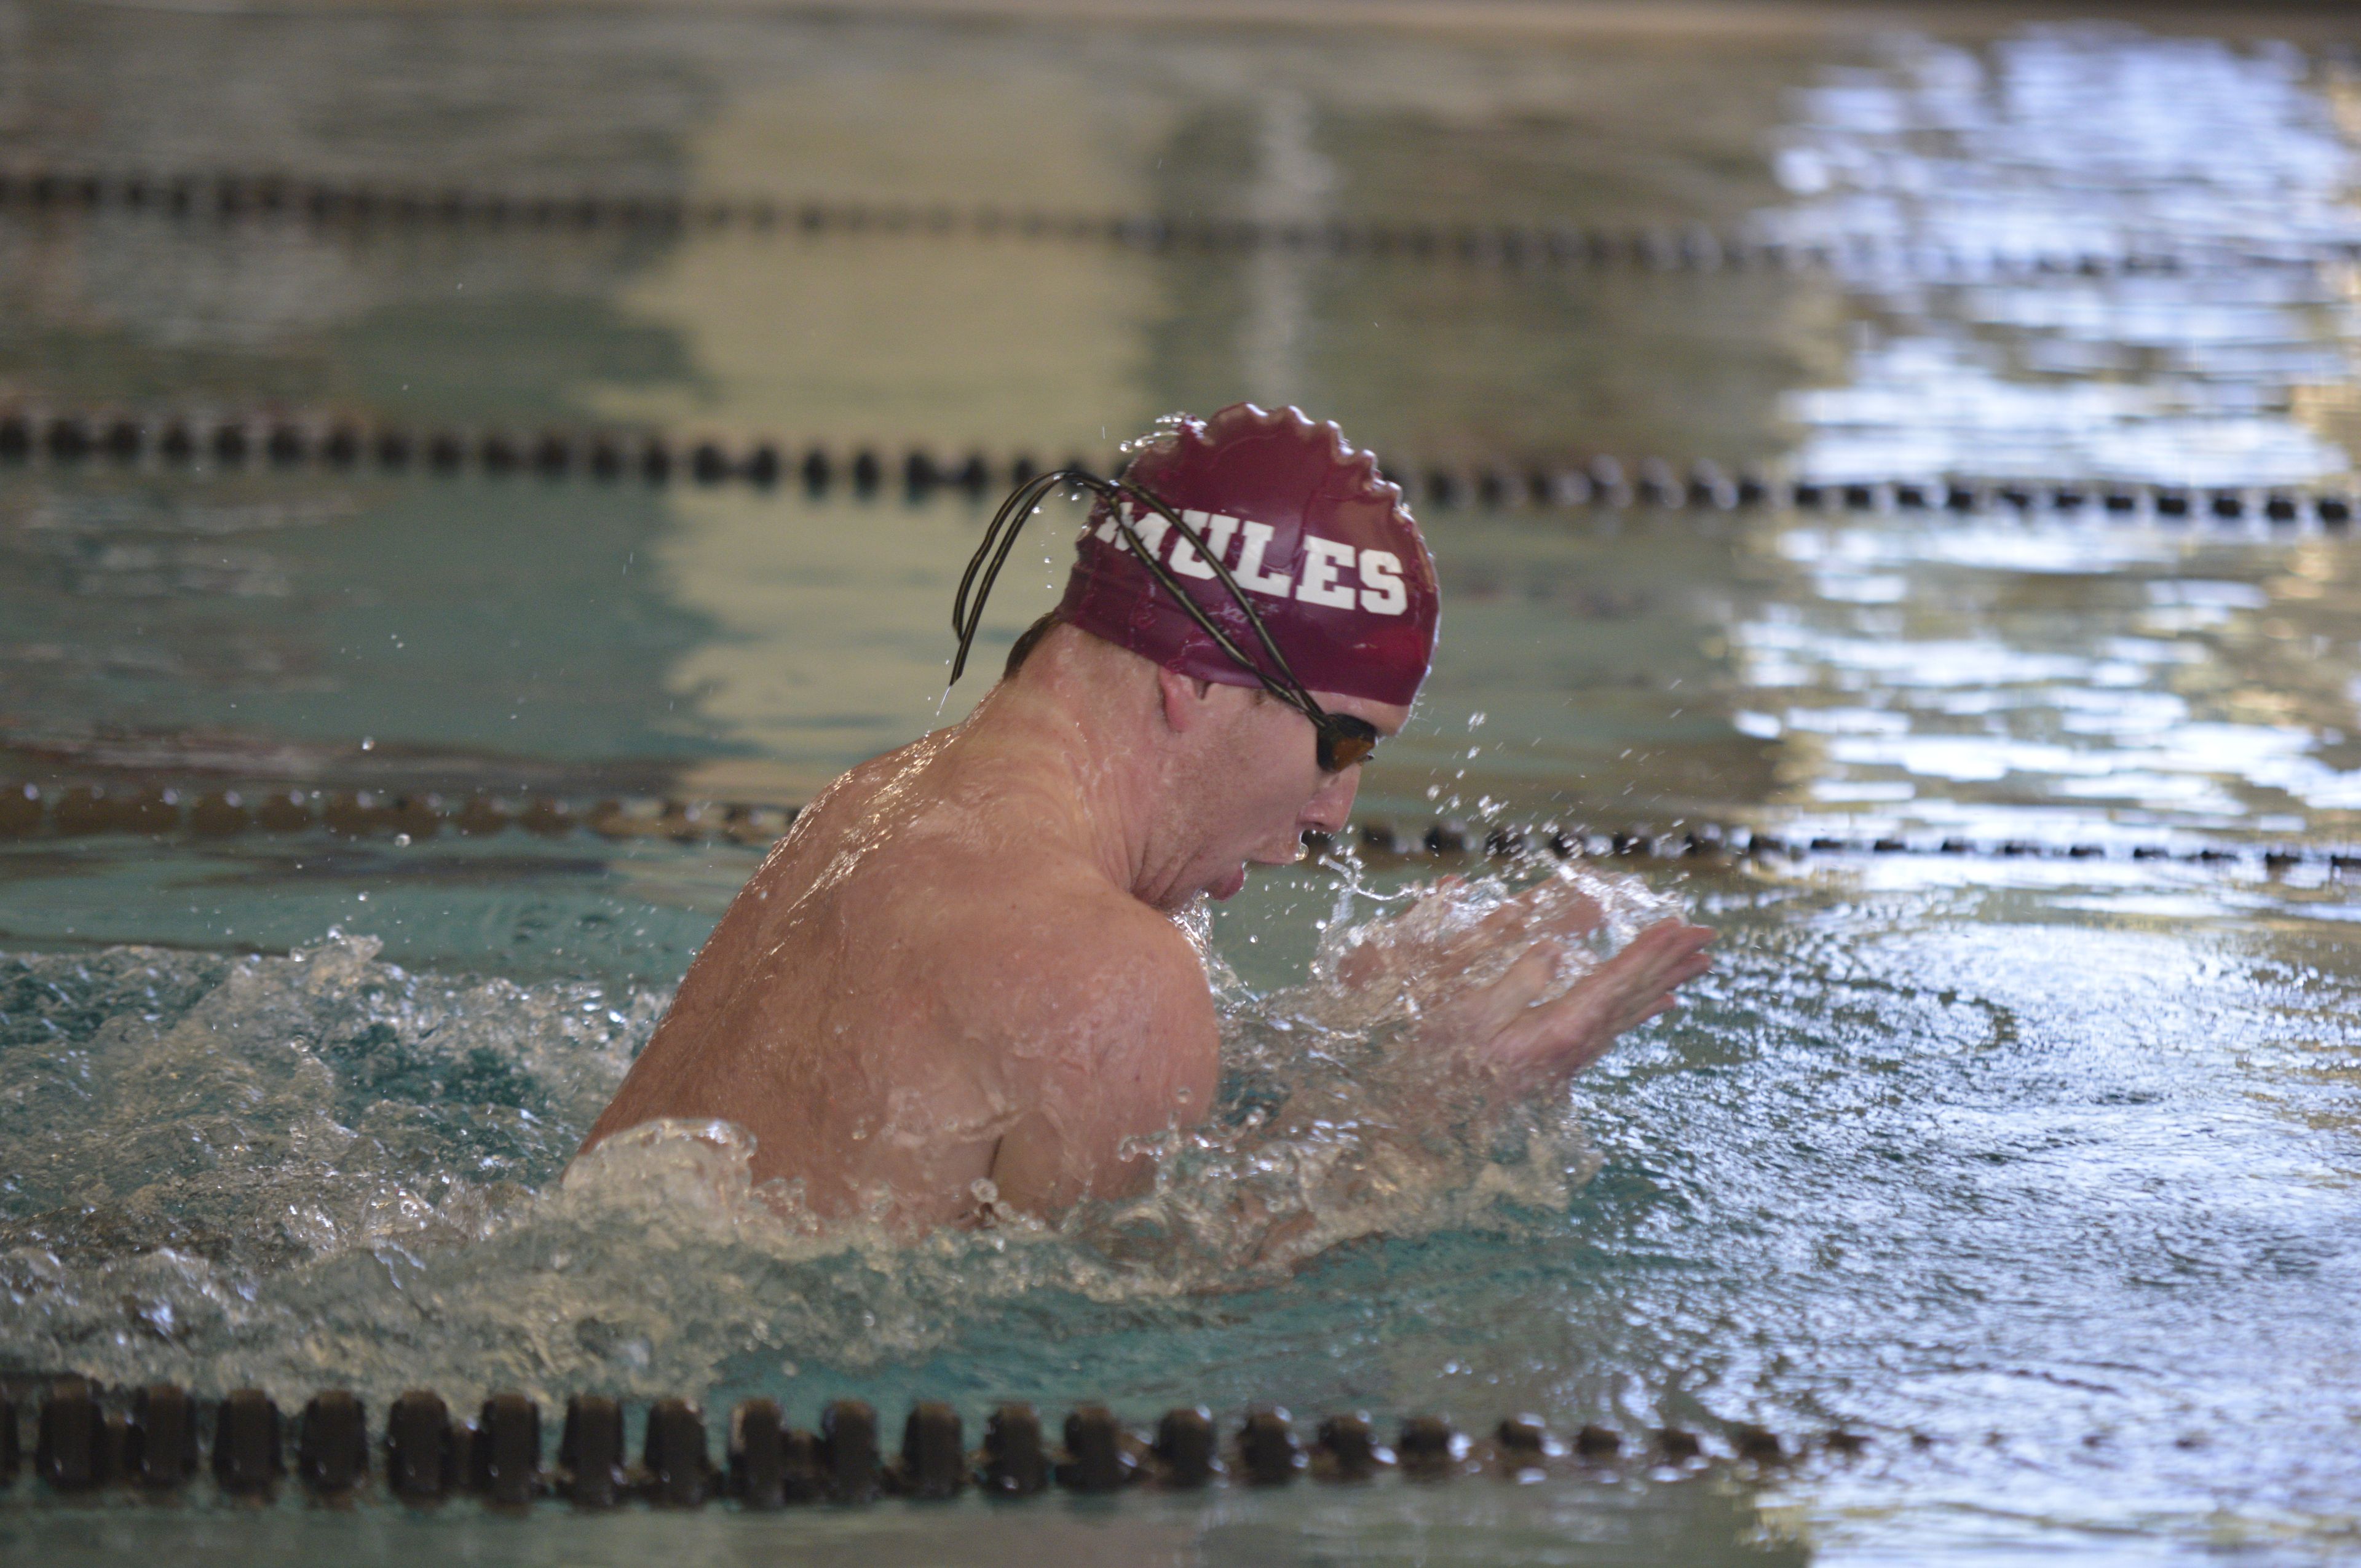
column 157, row 1440
column 72, row 440
column 225, row 199
column 176, row 808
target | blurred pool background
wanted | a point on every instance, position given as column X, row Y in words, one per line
column 2039, row 1172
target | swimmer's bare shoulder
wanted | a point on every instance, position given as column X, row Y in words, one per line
column 1025, row 1009
column 1100, row 1010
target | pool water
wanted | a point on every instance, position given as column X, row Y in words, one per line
column 2037, row 1173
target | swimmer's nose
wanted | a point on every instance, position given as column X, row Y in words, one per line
column 1326, row 813
column 1332, row 808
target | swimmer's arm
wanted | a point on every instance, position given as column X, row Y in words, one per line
column 1492, row 1047
column 1139, row 1052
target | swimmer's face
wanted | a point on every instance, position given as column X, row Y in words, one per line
column 1269, row 788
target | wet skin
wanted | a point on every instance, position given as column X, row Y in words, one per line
column 960, row 965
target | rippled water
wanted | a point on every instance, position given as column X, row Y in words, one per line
column 2039, row 1173
column 1908, row 1149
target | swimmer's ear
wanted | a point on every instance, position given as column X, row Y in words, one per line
column 1187, row 702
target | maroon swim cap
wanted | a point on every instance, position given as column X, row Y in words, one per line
column 1326, row 550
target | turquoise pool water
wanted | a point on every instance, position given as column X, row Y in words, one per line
column 2037, row 1172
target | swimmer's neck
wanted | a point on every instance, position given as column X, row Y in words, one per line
column 1080, row 729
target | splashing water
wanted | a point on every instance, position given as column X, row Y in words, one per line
column 292, row 1171
column 1336, row 1123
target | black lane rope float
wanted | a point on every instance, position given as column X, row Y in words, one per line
column 31, row 811
column 72, row 440
column 358, row 205
column 157, row 1440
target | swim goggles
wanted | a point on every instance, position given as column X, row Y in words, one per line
column 1344, row 740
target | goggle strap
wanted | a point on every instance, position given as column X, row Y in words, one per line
column 1000, row 538
column 1286, row 685
column 1001, row 531
column 1295, row 691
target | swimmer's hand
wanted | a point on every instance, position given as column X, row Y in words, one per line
column 1551, row 909
column 1520, row 1044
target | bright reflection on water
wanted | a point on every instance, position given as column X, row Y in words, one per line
column 2065, row 143
column 2057, row 679
column 2037, row 1172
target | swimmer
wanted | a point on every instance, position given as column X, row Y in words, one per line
column 963, row 965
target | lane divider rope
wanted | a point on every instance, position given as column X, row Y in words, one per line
column 72, row 440
column 198, row 811
column 360, row 205
column 156, row 1439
